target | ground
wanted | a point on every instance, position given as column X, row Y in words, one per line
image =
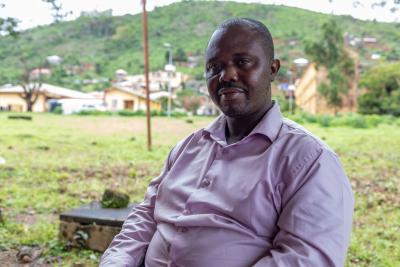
column 55, row 163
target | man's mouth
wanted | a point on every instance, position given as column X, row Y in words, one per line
column 230, row 90
column 231, row 94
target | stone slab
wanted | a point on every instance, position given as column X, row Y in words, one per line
column 93, row 213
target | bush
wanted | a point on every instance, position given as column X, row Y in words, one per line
column 347, row 120
column 356, row 121
column 93, row 113
column 325, row 121
column 178, row 114
column 352, row 120
column 130, row 113
column 373, row 120
column 309, row 117
column 114, row 199
column 297, row 118
column 57, row 110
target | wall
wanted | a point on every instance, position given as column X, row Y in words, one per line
column 139, row 103
column 18, row 104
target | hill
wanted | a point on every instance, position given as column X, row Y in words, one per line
column 99, row 43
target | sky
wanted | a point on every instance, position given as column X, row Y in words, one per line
column 35, row 12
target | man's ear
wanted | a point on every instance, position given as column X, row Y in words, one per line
column 275, row 65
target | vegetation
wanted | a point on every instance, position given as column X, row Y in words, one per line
column 190, row 100
column 97, row 44
column 114, row 199
column 382, row 94
column 70, row 160
column 30, row 89
column 329, row 53
column 8, row 25
column 57, row 8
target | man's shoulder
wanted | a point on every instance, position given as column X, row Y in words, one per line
column 300, row 147
column 301, row 136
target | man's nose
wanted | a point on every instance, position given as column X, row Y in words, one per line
column 228, row 74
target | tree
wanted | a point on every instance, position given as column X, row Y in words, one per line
column 8, row 25
column 180, row 55
column 57, row 7
column 392, row 5
column 30, row 84
column 31, row 89
column 329, row 52
column 190, row 100
column 382, row 94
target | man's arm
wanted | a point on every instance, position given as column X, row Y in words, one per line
column 129, row 246
column 315, row 222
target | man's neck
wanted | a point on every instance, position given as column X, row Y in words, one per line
column 238, row 128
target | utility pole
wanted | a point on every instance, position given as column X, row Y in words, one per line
column 146, row 74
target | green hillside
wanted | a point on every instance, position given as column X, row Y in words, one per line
column 109, row 43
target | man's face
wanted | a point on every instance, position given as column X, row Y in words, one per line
column 239, row 72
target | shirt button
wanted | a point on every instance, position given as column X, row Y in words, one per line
column 205, row 183
column 184, row 229
column 185, row 212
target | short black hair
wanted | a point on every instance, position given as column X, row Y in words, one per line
column 259, row 27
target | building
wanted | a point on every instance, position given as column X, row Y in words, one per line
column 159, row 80
column 39, row 72
column 11, row 97
column 310, row 100
column 123, row 98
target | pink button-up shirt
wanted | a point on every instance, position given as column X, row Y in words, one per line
column 278, row 197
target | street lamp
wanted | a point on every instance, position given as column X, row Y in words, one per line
column 169, row 46
column 169, row 68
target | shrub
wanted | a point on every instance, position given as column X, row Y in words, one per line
column 373, row 120
column 114, row 199
column 93, row 113
column 355, row 121
column 297, row 118
column 130, row 113
column 57, row 110
column 309, row 117
column 325, row 121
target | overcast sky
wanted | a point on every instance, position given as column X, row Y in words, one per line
column 36, row 12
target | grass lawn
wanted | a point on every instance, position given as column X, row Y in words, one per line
column 54, row 163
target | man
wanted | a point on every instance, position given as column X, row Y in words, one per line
column 251, row 189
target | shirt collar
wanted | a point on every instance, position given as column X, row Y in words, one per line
column 269, row 125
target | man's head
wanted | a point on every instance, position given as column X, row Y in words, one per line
column 240, row 66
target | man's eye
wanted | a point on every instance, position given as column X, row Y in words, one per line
column 243, row 62
column 212, row 67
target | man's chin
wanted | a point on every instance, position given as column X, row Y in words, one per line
column 234, row 112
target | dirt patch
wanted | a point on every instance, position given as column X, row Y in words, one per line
column 378, row 192
column 29, row 219
column 8, row 258
column 32, row 218
column 113, row 172
column 136, row 125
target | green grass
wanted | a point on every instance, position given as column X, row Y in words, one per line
column 55, row 163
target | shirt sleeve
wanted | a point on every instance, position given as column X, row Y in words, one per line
column 316, row 217
column 128, row 248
